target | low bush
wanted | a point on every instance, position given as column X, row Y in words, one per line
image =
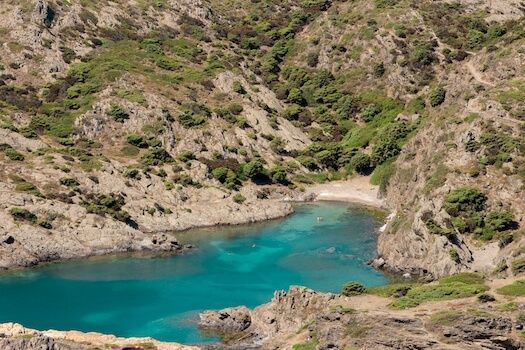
column 238, row 198
column 156, row 156
column 437, row 97
column 110, row 204
column 13, row 154
column 446, row 318
column 516, row 288
column 459, row 286
column 391, row 290
column 518, row 266
column 137, row 140
column 353, row 288
column 118, row 113
column 132, row 173
column 69, row 182
column 22, row 214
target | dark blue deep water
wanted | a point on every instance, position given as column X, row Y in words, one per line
column 161, row 296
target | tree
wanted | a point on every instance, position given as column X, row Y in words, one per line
column 500, row 220
column 464, row 200
column 253, row 169
column 361, row 162
column 278, row 174
column 295, row 95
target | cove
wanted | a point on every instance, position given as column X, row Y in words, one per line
column 161, row 296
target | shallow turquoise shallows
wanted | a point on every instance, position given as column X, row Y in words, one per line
column 162, row 296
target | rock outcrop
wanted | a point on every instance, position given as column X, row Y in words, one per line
column 328, row 321
column 14, row 336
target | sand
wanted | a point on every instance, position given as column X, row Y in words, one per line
column 355, row 190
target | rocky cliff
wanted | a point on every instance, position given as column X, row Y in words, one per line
column 302, row 317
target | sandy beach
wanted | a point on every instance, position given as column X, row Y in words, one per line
column 356, row 190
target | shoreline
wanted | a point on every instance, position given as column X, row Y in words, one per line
column 356, row 190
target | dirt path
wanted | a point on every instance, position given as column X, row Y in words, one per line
column 477, row 75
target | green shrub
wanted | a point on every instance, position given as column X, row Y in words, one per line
column 69, row 182
column 512, row 306
column 353, row 288
column 132, row 173
column 464, row 200
column 516, row 288
column 361, row 162
column 420, row 294
column 253, row 169
column 130, row 151
column 238, row 198
column 23, row 185
column 391, row 290
column 221, row 173
column 422, row 54
column 379, row 70
column 193, row 115
column 118, row 113
column 137, row 140
column 238, row 88
column 355, row 330
column 183, row 179
column 234, row 108
column 446, row 318
column 458, row 286
column 453, row 254
column 464, row 277
column 278, row 174
column 156, row 156
column 500, row 221
column 68, row 55
column 45, row 224
column 437, row 97
column 102, row 205
column 385, row 3
column 13, row 154
column 518, row 266
column 22, row 214
column 186, row 156
column 308, row 162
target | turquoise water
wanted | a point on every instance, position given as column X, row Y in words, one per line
column 162, row 296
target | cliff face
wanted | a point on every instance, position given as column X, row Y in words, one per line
column 467, row 152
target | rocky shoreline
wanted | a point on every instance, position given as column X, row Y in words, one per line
column 330, row 321
column 77, row 234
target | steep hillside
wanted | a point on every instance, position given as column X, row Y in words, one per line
column 124, row 118
column 122, row 121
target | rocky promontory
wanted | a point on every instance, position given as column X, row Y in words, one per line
column 304, row 317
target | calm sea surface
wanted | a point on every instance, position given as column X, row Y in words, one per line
column 162, row 296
